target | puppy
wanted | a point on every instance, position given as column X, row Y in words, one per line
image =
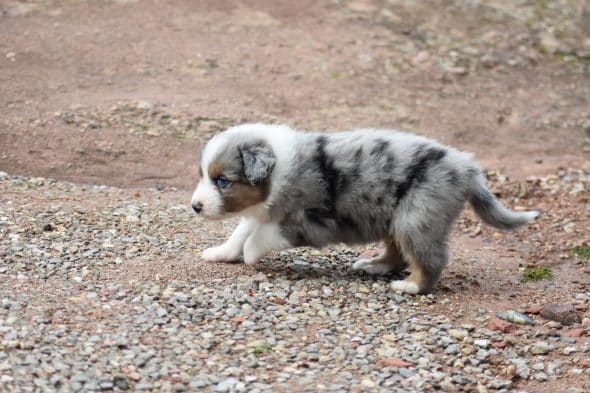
column 297, row 189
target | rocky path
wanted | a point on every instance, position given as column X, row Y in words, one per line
column 102, row 289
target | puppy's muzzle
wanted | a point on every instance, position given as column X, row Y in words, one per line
column 197, row 207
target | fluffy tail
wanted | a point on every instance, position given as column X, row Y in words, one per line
column 492, row 212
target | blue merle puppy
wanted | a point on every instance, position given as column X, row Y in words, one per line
column 296, row 189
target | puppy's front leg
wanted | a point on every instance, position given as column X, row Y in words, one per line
column 231, row 250
column 264, row 239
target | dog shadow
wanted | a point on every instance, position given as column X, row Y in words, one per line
column 341, row 270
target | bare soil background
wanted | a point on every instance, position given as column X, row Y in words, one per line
column 123, row 93
column 492, row 79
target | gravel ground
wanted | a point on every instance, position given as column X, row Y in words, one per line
column 101, row 290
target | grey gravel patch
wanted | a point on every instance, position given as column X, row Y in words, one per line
column 302, row 320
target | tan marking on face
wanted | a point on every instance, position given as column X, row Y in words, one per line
column 241, row 196
column 215, row 170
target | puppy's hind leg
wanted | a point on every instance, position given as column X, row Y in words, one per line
column 427, row 257
column 231, row 250
column 390, row 261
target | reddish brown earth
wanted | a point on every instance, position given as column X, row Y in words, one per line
column 326, row 67
column 125, row 92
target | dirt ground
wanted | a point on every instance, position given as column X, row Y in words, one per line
column 125, row 92
column 489, row 88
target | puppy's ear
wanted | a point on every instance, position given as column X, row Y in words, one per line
column 258, row 160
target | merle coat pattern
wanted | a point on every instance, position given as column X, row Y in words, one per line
column 355, row 187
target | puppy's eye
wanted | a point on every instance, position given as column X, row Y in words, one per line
column 222, row 182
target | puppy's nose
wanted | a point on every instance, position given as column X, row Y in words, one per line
column 197, row 207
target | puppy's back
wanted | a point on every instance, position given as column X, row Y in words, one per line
column 350, row 186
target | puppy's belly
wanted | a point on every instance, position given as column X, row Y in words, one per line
column 317, row 230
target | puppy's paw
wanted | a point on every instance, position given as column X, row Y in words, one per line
column 252, row 251
column 251, row 257
column 220, row 254
column 360, row 264
column 372, row 266
column 404, row 286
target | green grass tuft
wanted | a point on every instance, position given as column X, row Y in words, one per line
column 535, row 273
column 583, row 250
column 261, row 348
column 336, row 74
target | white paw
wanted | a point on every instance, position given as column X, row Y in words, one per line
column 405, row 286
column 221, row 253
column 370, row 266
column 251, row 255
column 360, row 264
column 252, row 252
column 251, row 260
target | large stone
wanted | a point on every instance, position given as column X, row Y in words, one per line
column 393, row 362
column 541, row 348
column 564, row 313
column 105, row 384
column 578, row 332
column 500, row 344
column 121, row 382
column 368, row 384
column 522, row 369
column 534, row 309
column 515, row 317
column 226, row 385
column 501, row 325
column 459, row 334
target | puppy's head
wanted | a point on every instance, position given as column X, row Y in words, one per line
column 234, row 175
